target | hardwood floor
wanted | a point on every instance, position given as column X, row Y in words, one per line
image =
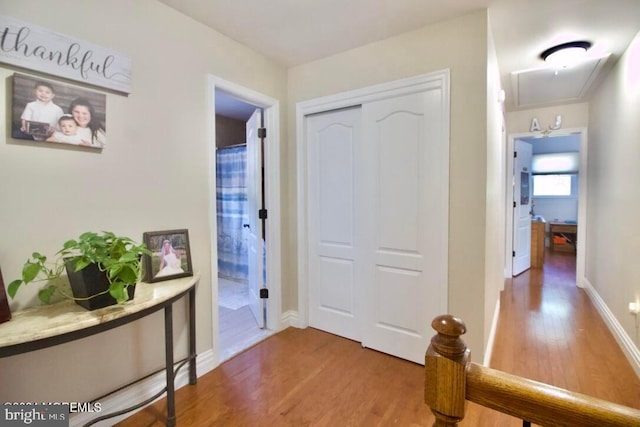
column 548, row 330
column 551, row 332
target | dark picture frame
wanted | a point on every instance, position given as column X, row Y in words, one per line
column 5, row 311
column 170, row 255
column 56, row 121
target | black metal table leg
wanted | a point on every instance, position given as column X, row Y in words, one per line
column 168, row 343
column 193, row 378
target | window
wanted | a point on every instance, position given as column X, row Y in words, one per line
column 553, row 185
column 555, row 174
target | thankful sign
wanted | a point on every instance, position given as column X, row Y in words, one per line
column 36, row 48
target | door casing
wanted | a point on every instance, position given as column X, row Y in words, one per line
column 582, row 202
column 271, row 108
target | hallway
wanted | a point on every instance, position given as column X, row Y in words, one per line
column 548, row 331
column 554, row 329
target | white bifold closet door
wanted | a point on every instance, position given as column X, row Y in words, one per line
column 377, row 224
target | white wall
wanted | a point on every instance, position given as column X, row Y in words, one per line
column 495, row 214
column 461, row 46
column 153, row 175
column 613, row 242
column 558, row 209
column 573, row 116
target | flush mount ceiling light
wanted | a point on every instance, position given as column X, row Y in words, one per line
column 566, row 54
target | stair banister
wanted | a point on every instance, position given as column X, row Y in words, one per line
column 451, row 379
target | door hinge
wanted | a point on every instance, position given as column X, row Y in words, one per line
column 262, row 132
column 513, row 254
column 262, row 214
column 514, row 203
column 515, row 154
column 264, row 293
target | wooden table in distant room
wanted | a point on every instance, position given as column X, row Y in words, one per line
column 563, row 237
column 537, row 243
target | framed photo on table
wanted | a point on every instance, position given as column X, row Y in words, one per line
column 170, row 255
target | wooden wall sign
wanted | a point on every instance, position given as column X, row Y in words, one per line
column 36, row 48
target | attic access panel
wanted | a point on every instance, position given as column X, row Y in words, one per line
column 546, row 86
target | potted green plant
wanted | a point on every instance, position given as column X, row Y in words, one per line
column 103, row 260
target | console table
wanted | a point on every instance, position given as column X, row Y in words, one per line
column 48, row 325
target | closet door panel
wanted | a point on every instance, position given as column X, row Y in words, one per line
column 335, row 291
column 333, row 139
column 334, row 174
column 394, row 287
column 406, row 270
column 398, row 169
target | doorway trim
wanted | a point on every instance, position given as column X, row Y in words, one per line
column 271, row 107
column 351, row 98
column 582, row 201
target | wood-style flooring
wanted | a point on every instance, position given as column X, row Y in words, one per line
column 548, row 330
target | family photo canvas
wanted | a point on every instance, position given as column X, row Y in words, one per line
column 53, row 112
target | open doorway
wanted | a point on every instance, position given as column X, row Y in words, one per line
column 240, row 326
column 244, row 289
column 557, row 197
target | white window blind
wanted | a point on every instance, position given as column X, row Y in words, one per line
column 555, row 163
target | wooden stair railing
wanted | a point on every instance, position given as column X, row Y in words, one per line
column 451, row 379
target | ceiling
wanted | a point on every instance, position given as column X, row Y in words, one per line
column 293, row 32
column 229, row 106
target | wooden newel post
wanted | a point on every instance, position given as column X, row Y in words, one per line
column 445, row 371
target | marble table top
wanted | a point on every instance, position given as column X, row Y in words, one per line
column 47, row 321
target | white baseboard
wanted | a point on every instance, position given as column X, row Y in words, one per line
column 139, row 392
column 205, row 363
column 290, row 318
column 629, row 348
column 492, row 335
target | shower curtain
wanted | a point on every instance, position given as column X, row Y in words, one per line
column 231, row 203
